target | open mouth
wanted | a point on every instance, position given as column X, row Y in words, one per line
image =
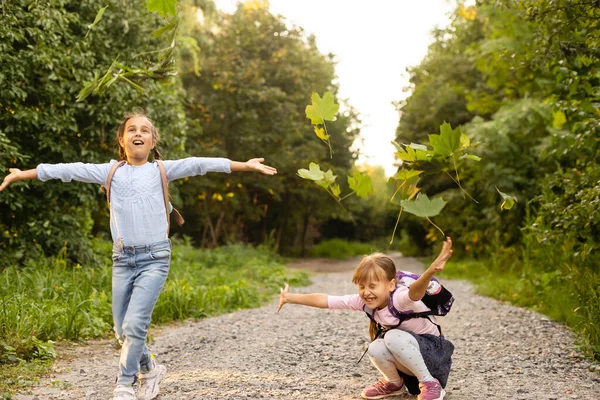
column 370, row 298
column 138, row 143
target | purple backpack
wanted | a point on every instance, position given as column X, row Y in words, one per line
column 437, row 298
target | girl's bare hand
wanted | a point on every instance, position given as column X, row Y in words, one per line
column 13, row 176
column 446, row 252
column 256, row 164
column 283, row 296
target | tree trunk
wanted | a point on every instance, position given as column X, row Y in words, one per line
column 218, row 228
column 304, row 230
column 282, row 222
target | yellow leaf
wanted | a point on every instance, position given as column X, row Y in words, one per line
column 320, row 132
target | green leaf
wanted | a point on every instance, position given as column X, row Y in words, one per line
column 464, row 141
column 313, row 172
column 322, row 109
column 509, row 200
column 411, row 155
column 162, row 7
column 472, row 157
column 406, row 189
column 397, row 146
column 361, row 184
column 335, row 189
column 558, row 119
column 170, row 26
column 447, row 142
column 328, row 179
column 96, row 20
column 423, row 207
column 405, row 174
column 320, row 132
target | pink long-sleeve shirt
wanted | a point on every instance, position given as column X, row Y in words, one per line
column 402, row 303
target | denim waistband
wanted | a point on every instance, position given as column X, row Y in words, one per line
column 146, row 248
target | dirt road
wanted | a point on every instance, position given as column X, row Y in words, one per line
column 502, row 352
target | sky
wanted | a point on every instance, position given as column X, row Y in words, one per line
column 374, row 42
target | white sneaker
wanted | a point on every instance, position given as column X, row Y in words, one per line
column 124, row 392
column 149, row 382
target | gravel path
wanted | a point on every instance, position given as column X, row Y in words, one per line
column 502, row 352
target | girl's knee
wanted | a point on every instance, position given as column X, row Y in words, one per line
column 396, row 338
column 377, row 348
column 135, row 328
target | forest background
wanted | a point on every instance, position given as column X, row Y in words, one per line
column 521, row 79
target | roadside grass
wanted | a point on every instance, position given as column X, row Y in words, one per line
column 567, row 295
column 49, row 300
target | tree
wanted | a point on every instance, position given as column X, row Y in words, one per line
column 256, row 77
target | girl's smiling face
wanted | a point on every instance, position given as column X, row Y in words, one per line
column 375, row 290
column 137, row 140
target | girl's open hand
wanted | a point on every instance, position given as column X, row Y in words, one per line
column 255, row 164
column 13, row 176
column 440, row 262
column 283, row 296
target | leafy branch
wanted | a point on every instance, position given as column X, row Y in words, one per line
column 164, row 67
column 443, row 151
column 321, row 110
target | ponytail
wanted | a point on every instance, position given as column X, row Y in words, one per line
column 156, row 154
column 373, row 330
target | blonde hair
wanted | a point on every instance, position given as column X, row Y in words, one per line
column 121, row 131
column 377, row 267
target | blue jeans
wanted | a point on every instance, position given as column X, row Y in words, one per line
column 138, row 275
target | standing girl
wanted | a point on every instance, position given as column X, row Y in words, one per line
column 139, row 224
column 411, row 352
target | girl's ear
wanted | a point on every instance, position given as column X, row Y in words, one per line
column 392, row 284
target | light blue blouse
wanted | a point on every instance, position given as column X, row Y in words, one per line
column 137, row 210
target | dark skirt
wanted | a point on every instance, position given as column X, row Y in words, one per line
column 437, row 354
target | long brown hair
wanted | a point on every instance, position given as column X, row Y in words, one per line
column 376, row 266
column 121, row 131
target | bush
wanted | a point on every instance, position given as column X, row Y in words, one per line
column 340, row 249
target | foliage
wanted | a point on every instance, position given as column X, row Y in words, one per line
column 340, row 249
column 570, row 297
column 255, row 74
column 22, row 375
column 524, row 84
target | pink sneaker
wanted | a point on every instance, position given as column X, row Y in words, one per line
column 381, row 389
column 431, row 391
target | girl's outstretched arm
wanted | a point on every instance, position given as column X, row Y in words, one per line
column 419, row 287
column 313, row 299
column 254, row 164
column 17, row 175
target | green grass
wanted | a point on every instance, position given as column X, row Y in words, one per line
column 341, row 249
column 48, row 300
column 567, row 295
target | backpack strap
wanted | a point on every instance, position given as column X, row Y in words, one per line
column 406, row 316
column 165, row 186
column 111, row 173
